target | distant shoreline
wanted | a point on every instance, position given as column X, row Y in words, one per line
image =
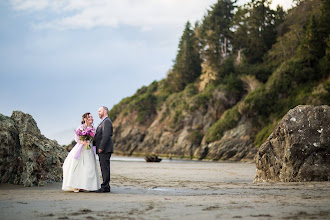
column 139, row 158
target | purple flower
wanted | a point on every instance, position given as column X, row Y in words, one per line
column 85, row 133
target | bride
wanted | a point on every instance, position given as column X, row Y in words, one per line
column 80, row 169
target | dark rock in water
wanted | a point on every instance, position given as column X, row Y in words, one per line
column 298, row 149
column 26, row 156
column 152, row 158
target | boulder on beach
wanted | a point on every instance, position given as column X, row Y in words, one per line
column 152, row 158
column 298, row 149
column 26, row 156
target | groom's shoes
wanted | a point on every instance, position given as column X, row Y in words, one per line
column 102, row 190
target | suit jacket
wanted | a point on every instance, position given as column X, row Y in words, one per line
column 103, row 136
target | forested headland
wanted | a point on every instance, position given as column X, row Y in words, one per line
column 237, row 72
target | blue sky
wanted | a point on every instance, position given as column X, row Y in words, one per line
column 60, row 59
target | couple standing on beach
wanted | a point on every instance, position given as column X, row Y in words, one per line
column 80, row 169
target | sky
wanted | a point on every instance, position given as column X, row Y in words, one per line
column 60, row 59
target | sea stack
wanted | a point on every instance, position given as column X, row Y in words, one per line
column 298, row 149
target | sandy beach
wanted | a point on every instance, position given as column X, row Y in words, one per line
column 172, row 190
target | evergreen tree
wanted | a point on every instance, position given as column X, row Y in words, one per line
column 311, row 48
column 240, row 25
column 314, row 46
column 187, row 65
column 255, row 25
column 216, row 33
column 325, row 31
column 262, row 32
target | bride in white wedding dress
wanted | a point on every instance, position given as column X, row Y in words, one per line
column 80, row 168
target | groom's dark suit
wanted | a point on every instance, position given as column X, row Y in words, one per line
column 103, row 141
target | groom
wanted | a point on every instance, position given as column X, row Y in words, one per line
column 104, row 147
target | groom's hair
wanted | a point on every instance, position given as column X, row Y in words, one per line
column 105, row 109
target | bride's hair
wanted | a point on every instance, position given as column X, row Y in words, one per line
column 85, row 116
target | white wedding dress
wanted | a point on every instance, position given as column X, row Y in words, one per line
column 81, row 173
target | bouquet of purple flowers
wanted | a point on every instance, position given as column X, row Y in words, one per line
column 85, row 134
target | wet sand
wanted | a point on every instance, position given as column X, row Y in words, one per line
column 172, row 190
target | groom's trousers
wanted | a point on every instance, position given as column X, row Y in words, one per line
column 105, row 169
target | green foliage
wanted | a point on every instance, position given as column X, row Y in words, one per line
column 267, row 112
column 281, row 85
column 141, row 91
column 240, row 23
column 145, row 105
column 228, row 121
column 292, row 69
column 175, row 100
column 263, row 134
column 286, row 46
column 195, row 137
column 234, row 86
column 259, row 102
column 256, row 29
column 176, row 119
column 260, row 71
column 152, row 87
column 144, row 101
column 176, row 104
column 312, row 48
column 324, row 24
column 315, row 43
column 190, row 90
column 201, row 100
column 119, row 108
column 226, row 68
column 321, row 94
column 292, row 84
column 187, row 66
column 216, row 34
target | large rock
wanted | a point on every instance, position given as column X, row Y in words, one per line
column 26, row 156
column 298, row 149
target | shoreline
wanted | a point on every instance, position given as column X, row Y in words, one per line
column 174, row 160
column 184, row 158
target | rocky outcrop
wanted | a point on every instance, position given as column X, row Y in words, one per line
column 298, row 149
column 184, row 137
column 27, row 157
column 236, row 145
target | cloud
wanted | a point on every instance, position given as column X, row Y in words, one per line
column 33, row 5
column 144, row 14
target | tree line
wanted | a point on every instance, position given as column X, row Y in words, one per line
column 248, row 31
